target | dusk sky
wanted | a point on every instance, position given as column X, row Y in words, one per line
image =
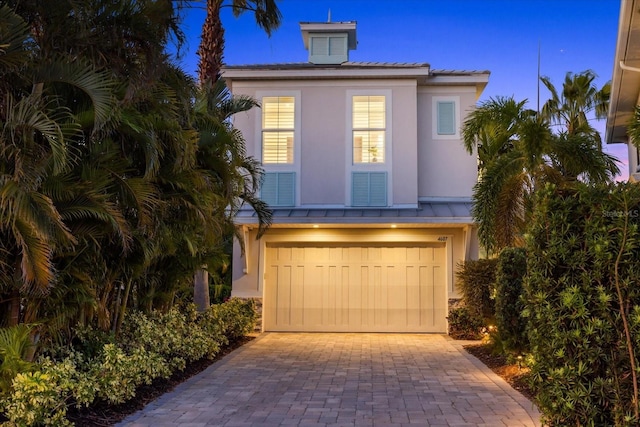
column 501, row 36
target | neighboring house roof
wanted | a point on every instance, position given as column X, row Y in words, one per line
column 625, row 84
column 440, row 212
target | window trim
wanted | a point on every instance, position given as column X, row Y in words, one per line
column 297, row 137
column 435, row 118
column 350, row 166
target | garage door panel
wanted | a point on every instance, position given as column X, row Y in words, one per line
column 355, row 288
column 283, row 294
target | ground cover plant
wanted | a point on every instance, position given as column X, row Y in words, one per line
column 97, row 370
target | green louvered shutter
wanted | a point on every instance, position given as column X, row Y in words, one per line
column 369, row 189
column 360, row 189
column 278, row 188
column 378, row 189
column 447, row 118
column 286, row 188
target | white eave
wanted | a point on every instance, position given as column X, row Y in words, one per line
column 320, row 72
column 625, row 83
column 356, row 70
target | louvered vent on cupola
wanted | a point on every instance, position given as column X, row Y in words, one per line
column 329, row 42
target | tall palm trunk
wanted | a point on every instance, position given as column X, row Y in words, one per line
column 14, row 308
column 211, row 45
column 201, row 290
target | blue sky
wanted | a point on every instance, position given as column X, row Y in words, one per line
column 501, row 36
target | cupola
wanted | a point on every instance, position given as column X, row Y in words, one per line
column 329, row 42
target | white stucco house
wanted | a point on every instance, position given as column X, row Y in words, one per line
column 625, row 83
column 370, row 187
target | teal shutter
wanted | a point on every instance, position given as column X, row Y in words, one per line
column 286, row 188
column 446, row 118
column 378, row 189
column 269, row 188
column 360, row 189
column 278, row 188
column 369, row 189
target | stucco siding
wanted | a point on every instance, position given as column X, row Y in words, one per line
column 325, row 145
column 445, row 169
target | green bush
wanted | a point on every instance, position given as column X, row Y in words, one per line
column 476, row 280
column 510, row 273
column 465, row 324
column 35, row 401
column 151, row 346
column 238, row 317
column 175, row 335
column 582, row 299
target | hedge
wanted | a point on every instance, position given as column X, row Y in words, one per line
column 583, row 304
column 150, row 346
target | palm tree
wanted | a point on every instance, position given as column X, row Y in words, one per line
column 211, row 48
column 211, row 52
column 511, row 144
column 580, row 97
column 235, row 176
column 37, row 136
column 518, row 152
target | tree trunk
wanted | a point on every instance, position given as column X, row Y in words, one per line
column 211, row 44
column 14, row 308
column 201, row 290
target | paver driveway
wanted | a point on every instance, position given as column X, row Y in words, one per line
column 317, row 379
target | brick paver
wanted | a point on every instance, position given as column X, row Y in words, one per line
column 321, row 379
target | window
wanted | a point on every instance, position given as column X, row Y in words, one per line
column 446, row 117
column 278, row 188
column 369, row 189
column 369, row 129
column 324, row 46
column 278, row 128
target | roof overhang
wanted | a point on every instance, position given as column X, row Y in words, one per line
column 422, row 73
column 426, row 214
column 625, row 83
column 321, row 73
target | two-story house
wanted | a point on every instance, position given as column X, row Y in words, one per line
column 625, row 83
column 370, row 187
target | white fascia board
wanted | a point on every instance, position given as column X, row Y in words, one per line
column 463, row 79
column 359, row 221
column 309, row 73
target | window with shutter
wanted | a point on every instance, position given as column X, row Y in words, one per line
column 369, row 129
column 328, row 48
column 369, row 189
column 446, row 118
column 278, row 128
column 278, row 188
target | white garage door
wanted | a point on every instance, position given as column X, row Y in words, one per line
column 355, row 288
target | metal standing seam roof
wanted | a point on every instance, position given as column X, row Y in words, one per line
column 426, row 212
column 354, row 65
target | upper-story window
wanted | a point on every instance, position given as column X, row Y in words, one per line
column 278, row 128
column 446, row 117
column 369, row 129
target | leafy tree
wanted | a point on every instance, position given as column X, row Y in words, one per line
column 217, row 101
column 518, row 153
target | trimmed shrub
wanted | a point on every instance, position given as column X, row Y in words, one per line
column 476, row 279
column 465, row 324
column 510, row 273
column 151, row 346
column 583, row 301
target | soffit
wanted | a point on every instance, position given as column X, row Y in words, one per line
column 625, row 84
